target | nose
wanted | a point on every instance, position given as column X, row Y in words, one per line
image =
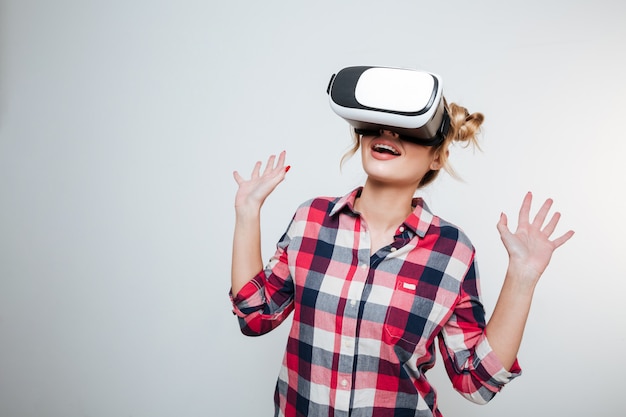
column 389, row 133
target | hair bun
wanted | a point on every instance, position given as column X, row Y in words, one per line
column 464, row 126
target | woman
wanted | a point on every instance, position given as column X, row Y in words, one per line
column 373, row 278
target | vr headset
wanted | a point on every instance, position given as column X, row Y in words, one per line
column 405, row 101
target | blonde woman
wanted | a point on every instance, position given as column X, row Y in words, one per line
column 376, row 281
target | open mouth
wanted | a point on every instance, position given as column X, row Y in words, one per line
column 385, row 149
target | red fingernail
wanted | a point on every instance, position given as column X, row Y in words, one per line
column 287, row 168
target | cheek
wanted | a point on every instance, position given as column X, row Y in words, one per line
column 422, row 156
column 421, row 170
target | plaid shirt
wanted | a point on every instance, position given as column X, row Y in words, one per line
column 364, row 327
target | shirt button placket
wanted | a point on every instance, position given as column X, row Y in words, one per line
column 348, row 335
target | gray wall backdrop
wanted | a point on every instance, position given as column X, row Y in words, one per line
column 120, row 125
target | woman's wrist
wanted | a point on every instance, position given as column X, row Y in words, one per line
column 248, row 211
column 522, row 277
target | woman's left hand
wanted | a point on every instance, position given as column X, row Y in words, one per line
column 530, row 247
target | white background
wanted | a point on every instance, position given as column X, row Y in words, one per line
column 122, row 121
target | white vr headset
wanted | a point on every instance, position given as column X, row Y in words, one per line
column 405, row 101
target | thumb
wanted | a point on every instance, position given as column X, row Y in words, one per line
column 238, row 178
column 503, row 226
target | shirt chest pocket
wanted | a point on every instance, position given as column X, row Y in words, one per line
column 412, row 316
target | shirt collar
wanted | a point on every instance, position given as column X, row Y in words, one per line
column 418, row 221
column 347, row 202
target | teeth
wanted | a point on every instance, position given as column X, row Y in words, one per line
column 380, row 148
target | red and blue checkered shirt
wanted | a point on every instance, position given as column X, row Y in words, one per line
column 364, row 326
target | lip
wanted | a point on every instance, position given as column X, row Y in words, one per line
column 385, row 156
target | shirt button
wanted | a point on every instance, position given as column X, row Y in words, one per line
column 394, row 249
column 401, row 229
column 352, row 303
column 363, row 266
column 344, row 383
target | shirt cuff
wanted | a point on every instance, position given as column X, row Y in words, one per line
column 249, row 298
column 488, row 362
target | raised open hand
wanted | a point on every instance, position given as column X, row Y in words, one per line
column 253, row 192
column 530, row 247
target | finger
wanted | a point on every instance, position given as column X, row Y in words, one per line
column 256, row 170
column 561, row 240
column 238, row 178
column 524, row 211
column 270, row 164
column 281, row 161
column 502, row 225
column 541, row 215
column 549, row 229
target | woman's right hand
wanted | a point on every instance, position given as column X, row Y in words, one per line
column 253, row 192
column 247, row 261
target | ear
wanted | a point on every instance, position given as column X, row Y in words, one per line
column 437, row 162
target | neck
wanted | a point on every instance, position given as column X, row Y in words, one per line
column 384, row 206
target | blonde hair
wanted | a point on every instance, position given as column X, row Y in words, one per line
column 464, row 127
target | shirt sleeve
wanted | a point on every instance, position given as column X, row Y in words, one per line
column 266, row 300
column 473, row 367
